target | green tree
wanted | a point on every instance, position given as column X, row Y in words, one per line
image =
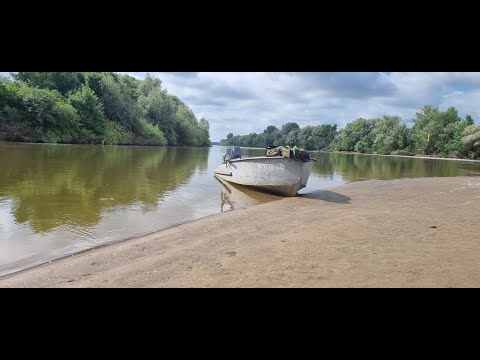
column 389, row 135
column 204, row 133
column 185, row 126
column 469, row 120
column 63, row 82
column 436, row 132
column 161, row 110
column 118, row 105
column 292, row 139
column 270, row 129
column 323, row 136
column 94, row 81
column 471, row 141
column 289, row 127
column 89, row 109
column 353, row 133
column 103, row 106
column 53, row 119
column 149, row 84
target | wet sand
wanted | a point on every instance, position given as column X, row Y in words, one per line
column 399, row 233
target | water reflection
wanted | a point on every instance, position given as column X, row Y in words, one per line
column 355, row 167
column 235, row 196
column 53, row 185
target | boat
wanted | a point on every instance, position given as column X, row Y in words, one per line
column 282, row 171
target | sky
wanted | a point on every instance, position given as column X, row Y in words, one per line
column 246, row 102
column 243, row 102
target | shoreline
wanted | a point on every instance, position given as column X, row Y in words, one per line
column 396, row 233
column 416, row 156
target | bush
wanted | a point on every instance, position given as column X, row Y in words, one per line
column 51, row 137
column 89, row 109
column 152, row 133
column 116, row 134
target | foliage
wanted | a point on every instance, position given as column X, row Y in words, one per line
column 95, row 107
column 152, row 134
column 116, row 134
column 439, row 133
column 289, row 127
column 471, row 141
column 90, row 110
column 434, row 132
column 310, row 137
column 44, row 114
column 63, row 82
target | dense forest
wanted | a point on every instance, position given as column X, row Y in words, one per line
column 434, row 132
column 95, row 108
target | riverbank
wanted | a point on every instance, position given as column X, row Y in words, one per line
column 415, row 156
column 400, row 233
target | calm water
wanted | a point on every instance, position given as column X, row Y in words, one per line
column 56, row 200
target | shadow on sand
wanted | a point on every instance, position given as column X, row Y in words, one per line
column 328, row 196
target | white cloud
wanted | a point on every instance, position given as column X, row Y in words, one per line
column 465, row 102
column 248, row 102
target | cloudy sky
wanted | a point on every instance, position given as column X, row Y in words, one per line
column 245, row 102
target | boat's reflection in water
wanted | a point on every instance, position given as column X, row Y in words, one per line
column 234, row 196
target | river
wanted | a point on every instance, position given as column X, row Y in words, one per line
column 56, row 200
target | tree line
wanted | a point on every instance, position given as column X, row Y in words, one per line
column 93, row 108
column 434, row 132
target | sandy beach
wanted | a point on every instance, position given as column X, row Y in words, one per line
column 421, row 232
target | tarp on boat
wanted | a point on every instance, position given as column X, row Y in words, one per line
column 286, row 151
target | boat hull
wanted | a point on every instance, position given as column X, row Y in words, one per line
column 277, row 174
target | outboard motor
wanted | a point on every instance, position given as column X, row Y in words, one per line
column 236, row 154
